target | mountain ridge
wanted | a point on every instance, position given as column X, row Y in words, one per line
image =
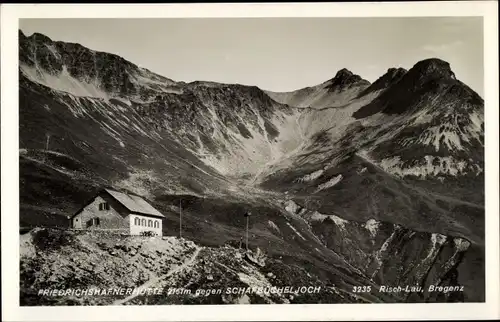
column 400, row 152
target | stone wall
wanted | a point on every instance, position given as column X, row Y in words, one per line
column 107, row 218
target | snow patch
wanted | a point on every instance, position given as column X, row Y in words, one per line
column 461, row 245
column 422, row 118
column 124, row 101
column 291, row 206
column 53, row 51
column 372, row 225
column 381, row 251
column 477, row 120
column 295, row 230
column 451, row 134
column 330, row 183
column 436, row 134
column 59, row 154
column 337, row 220
column 318, row 216
column 273, row 226
column 431, row 166
column 362, row 170
column 436, row 241
column 312, row 176
column 475, row 130
column 438, row 238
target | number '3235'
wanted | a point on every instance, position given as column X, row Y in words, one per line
column 361, row 289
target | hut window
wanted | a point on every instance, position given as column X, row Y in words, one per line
column 137, row 221
column 103, row 206
column 157, row 225
column 143, row 222
column 150, row 223
column 93, row 222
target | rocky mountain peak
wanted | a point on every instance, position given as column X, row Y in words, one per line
column 433, row 67
column 21, row 35
column 345, row 79
column 392, row 76
column 423, row 85
column 344, row 73
column 395, row 72
column 96, row 74
column 38, row 37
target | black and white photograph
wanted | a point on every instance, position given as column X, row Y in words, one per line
column 250, row 160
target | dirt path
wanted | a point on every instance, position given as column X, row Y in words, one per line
column 155, row 280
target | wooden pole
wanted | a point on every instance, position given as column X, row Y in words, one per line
column 47, row 143
column 247, row 232
column 180, row 219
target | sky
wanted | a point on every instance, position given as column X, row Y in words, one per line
column 278, row 54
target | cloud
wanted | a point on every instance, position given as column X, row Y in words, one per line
column 439, row 48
